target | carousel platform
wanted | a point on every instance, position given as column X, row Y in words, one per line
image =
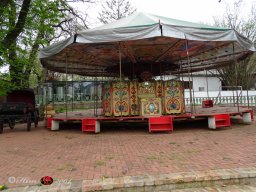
column 217, row 116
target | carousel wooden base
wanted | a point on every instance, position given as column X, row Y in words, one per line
column 218, row 117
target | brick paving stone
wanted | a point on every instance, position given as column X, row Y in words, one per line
column 117, row 152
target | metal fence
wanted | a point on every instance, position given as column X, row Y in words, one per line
column 80, row 100
column 228, row 100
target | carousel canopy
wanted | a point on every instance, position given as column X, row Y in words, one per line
column 145, row 42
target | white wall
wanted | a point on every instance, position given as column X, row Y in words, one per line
column 213, row 83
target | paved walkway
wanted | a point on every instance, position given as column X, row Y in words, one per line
column 232, row 188
column 70, row 154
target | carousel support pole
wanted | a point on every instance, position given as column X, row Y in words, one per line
column 237, row 97
column 101, row 98
column 238, row 106
column 161, row 77
column 179, row 76
column 193, row 92
column 189, row 78
column 182, row 82
column 72, row 93
column 94, row 97
column 207, row 84
column 233, row 95
column 247, row 94
column 133, row 74
column 53, row 89
column 66, row 88
column 97, row 96
column 120, row 76
column 80, row 90
column 46, row 100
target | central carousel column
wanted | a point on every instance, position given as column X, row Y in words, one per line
column 120, row 93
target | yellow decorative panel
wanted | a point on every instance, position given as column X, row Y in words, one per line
column 120, row 98
column 134, row 104
column 151, row 107
column 146, row 89
column 173, row 97
column 159, row 89
column 107, row 99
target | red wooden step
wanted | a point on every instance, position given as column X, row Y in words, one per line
column 162, row 123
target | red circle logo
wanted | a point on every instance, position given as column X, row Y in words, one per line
column 46, row 180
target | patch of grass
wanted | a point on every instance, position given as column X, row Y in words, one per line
column 190, row 151
column 100, row 163
column 60, row 110
column 109, row 157
column 68, row 167
column 151, row 157
column 33, row 169
column 226, row 158
column 69, row 137
column 173, row 156
column 172, row 143
column 104, row 177
column 161, row 161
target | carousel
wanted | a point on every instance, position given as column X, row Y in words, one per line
column 138, row 53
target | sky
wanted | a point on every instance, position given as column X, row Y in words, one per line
column 201, row 11
column 189, row 10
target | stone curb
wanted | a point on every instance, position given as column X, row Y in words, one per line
column 159, row 182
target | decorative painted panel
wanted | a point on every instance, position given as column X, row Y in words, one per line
column 134, row 104
column 147, row 98
column 159, row 89
column 121, row 98
column 173, row 97
column 107, row 99
column 151, row 107
column 146, row 89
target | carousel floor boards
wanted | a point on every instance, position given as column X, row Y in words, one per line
column 218, row 117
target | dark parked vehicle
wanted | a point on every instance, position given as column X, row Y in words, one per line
column 20, row 106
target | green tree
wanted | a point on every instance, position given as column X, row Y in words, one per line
column 26, row 26
column 115, row 9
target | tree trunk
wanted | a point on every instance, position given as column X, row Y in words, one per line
column 13, row 34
